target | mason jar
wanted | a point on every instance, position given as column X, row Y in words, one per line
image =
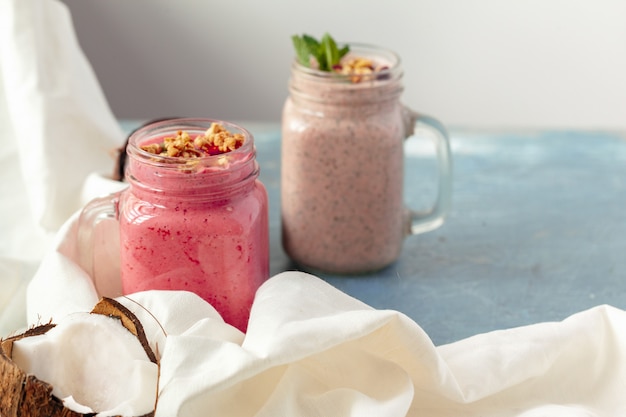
column 198, row 224
column 342, row 167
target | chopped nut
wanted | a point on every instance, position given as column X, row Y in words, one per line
column 362, row 63
column 202, row 142
column 153, row 148
column 358, row 69
column 217, row 139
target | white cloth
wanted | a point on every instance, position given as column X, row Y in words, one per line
column 55, row 129
column 310, row 350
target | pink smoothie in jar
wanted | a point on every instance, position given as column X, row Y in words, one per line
column 342, row 165
column 342, row 170
column 198, row 224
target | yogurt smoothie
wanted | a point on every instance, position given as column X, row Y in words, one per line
column 342, row 168
column 196, row 224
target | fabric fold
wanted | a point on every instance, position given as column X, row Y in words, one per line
column 313, row 350
column 57, row 125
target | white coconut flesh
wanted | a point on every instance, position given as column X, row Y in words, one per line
column 93, row 363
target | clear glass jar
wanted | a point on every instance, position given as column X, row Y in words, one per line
column 342, row 174
column 199, row 225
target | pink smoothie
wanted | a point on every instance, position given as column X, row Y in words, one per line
column 208, row 233
column 342, row 172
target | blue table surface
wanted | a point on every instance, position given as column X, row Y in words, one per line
column 537, row 231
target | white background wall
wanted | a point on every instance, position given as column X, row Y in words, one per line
column 472, row 63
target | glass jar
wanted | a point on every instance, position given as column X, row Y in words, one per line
column 198, row 224
column 342, row 172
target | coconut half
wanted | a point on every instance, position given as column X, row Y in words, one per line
column 97, row 363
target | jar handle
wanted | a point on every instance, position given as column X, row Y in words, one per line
column 96, row 245
column 421, row 222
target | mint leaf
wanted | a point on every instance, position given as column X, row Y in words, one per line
column 326, row 52
column 343, row 51
column 315, row 48
column 329, row 48
column 302, row 50
column 311, row 43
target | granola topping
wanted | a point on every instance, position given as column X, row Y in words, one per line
column 215, row 141
column 359, row 69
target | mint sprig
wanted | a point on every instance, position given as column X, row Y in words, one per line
column 325, row 52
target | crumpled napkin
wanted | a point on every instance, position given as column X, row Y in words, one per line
column 55, row 124
column 311, row 350
column 56, row 131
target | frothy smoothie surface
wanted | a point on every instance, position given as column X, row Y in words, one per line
column 199, row 225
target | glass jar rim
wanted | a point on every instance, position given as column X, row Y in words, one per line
column 357, row 49
column 189, row 124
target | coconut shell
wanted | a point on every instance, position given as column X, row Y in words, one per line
column 23, row 395
column 110, row 307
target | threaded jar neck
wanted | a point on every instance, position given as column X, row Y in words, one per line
column 311, row 85
column 206, row 177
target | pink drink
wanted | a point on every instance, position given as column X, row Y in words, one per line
column 201, row 226
column 342, row 172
